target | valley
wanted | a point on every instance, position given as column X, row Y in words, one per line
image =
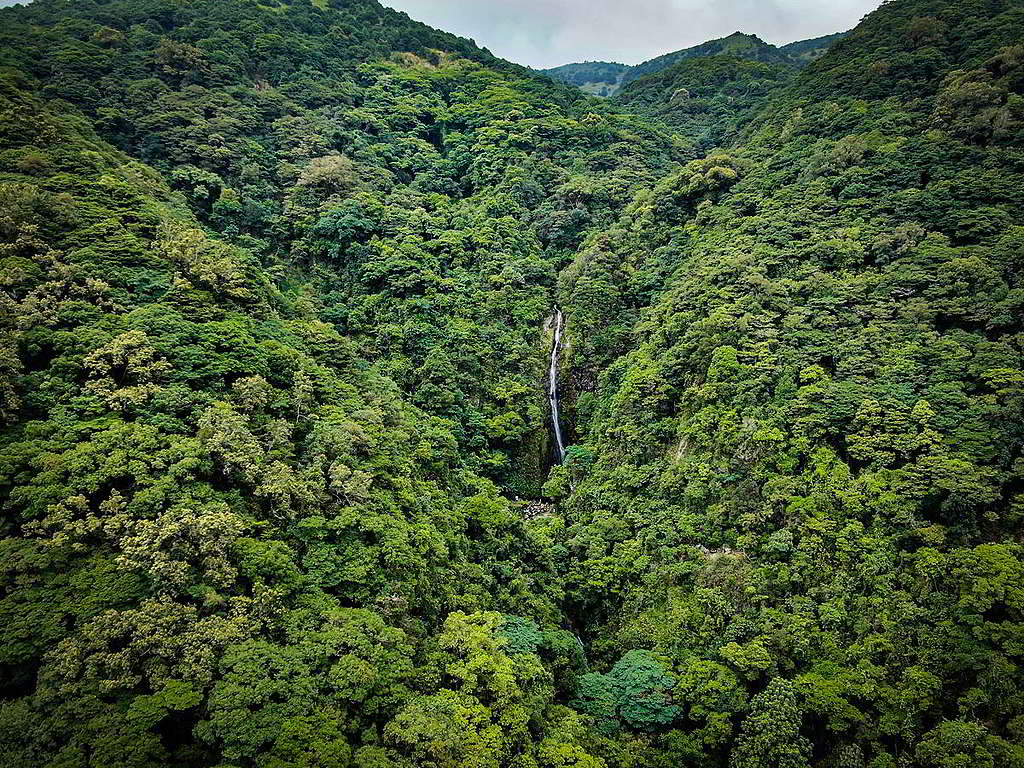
column 370, row 401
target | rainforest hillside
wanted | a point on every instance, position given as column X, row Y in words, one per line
column 601, row 78
column 710, row 99
column 282, row 287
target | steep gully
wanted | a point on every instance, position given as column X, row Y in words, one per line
column 556, row 347
column 553, row 385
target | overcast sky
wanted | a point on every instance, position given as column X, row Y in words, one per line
column 546, row 33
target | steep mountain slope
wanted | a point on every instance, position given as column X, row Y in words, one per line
column 607, row 79
column 266, row 366
column 806, row 51
column 708, row 100
column 599, row 78
column 798, row 473
column 196, row 469
column 346, row 139
column 738, row 44
column 275, row 278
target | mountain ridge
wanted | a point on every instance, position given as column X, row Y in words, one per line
column 608, row 78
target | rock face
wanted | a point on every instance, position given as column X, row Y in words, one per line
column 680, row 95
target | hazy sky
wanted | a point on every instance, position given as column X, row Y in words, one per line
column 546, row 33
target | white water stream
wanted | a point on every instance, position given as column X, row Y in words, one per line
column 553, row 385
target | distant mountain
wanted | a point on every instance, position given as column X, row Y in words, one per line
column 600, row 78
column 738, row 44
column 806, row 51
column 710, row 99
column 607, row 78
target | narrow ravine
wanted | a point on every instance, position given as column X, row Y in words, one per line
column 553, row 385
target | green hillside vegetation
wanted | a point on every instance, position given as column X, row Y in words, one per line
column 709, row 100
column 806, row 51
column 800, row 461
column 738, row 44
column 607, row 73
column 276, row 480
column 601, row 78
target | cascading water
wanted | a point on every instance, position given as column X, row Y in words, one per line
column 553, row 385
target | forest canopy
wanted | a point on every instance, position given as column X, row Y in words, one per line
column 280, row 286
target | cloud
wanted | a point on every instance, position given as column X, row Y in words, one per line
column 546, row 33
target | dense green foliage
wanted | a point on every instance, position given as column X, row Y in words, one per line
column 801, row 454
column 602, row 78
column 806, row 51
column 738, row 44
column 709, row 100
column 587, row 72
column 275, row 474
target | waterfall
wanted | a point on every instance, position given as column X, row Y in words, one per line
column 553, row 385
